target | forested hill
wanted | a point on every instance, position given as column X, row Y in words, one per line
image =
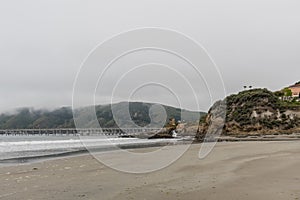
column 63, row 117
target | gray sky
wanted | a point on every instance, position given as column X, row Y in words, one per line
column 43, row 43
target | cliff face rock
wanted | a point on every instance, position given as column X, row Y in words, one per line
column 256, row 111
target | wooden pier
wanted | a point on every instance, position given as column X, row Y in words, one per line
column 81, row 131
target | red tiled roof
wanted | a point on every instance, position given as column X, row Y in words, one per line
column 296, row 85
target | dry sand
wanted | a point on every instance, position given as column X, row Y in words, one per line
column 239, row 170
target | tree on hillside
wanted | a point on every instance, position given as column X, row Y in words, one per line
column 287, row 92
column 279, row 94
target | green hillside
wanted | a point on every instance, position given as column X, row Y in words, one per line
column 63, row 117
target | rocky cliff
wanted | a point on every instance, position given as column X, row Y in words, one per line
column 256, row 111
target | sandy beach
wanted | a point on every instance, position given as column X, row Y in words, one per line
column 233, row 170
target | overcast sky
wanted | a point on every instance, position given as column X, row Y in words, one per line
column 43, row 43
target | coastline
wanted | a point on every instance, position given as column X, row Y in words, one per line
column 133, row 146
column 85, row 151
column 231, row 171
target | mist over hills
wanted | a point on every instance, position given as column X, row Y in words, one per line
column 63, row 117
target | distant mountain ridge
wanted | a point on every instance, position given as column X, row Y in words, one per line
column 63, row 117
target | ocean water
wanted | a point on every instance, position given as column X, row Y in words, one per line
column 24, row 148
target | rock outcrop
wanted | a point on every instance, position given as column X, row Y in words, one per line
column 256, row 111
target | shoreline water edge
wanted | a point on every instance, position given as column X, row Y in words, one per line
column 14, row 150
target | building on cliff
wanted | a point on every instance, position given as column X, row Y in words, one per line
column 295, row 90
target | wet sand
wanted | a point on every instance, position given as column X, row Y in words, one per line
column 233, row 170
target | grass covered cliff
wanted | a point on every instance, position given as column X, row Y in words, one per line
column 257, row 111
